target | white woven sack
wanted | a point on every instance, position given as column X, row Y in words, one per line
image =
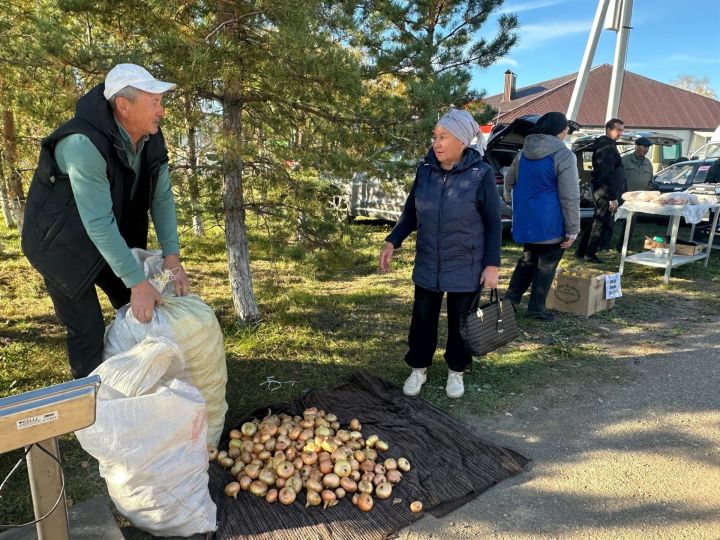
column 189, row 322
column 149, row 437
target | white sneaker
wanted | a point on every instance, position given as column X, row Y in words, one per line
column 414, row 382
column 455, row 387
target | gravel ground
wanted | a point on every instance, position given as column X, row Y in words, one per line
column 635, row 458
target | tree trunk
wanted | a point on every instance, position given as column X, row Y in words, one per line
column 235, row 232
column 4, row 199
column 193, row 186
column 14, row 183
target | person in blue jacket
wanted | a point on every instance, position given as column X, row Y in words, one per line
column 544, row 188
column 455, row 209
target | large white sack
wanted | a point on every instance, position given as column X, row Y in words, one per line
column 149, row 437
column 189, row 322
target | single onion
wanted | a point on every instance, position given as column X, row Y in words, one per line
column 264, row 455
column 382, row 446
column 342, row 468
column 390, row 464
column 371, row 454
column 227, row 462
column 221, row 454
column 335, row 425
column 416, row 506
column 212, row 453
column 403, row 464
column 235, row 434
column 359, row 456
column 367, row 466
column 285, row 469
column 295, row 483
column 245, row 482
column 252, row 470
column 331, row 417
column 280, row 482
column 355, row 425
column 236, row 443
column 365, row 502
column 294, row 433
column 329, row 498
column 237, row 468
column 232, row 489
column 308, row 458
column 384, row 490
column 271, row 496
column 371, row 440
column 340, row 493
column 379, row 479
column 368, row 476
column 355, row 435
column 267, row 476
column 325, row 466
column 258, row 447
column 258, row 488
column 394, row 476
column 246, row 458
column 305, row 471
column 365, row 487
column 234, row 452
column 355, row 498
column 312, row 498
column 287, row 495
column 247, row 446
column 297, row 463
column 348, row 485
column 248, row 428
column 379, row 469
column 355, row 475
column 331, row 480
column 291, row 453
column 270, row 444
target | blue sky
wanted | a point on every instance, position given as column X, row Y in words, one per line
column 669, row 38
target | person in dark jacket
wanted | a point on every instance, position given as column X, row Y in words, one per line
column 608, row 181
column 543, row 185
column 455, row 209
column 97, row 178
column 713, row 175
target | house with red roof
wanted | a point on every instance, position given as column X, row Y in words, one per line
column 645, row 105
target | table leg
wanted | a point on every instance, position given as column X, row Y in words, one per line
column 713, row 226
column 628, row 225
column 673, row 226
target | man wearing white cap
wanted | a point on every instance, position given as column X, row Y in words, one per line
column 97, row 178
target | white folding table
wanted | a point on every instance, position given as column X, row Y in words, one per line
column 692, row 213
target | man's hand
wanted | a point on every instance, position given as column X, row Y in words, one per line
column 567, row 242
column 613, row 206
column 180, row 279
column 386, row 254
column 143, row 299
column 490, row 277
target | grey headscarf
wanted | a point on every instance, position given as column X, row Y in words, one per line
column 461, row 124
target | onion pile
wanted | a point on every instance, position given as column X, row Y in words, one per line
column 281, row 455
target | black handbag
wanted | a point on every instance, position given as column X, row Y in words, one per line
column 488, row 327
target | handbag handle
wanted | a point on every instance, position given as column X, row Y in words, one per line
column 476, row 301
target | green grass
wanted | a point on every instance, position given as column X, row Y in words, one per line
column 328, row 313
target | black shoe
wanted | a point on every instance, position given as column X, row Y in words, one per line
column 543, row 316
column 593, row 259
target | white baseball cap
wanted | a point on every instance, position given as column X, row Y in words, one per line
column 138, row 77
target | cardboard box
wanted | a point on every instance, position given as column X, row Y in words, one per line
column 581, row 292
column 682, row 247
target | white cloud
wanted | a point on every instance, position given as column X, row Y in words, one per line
column 532, row 35
column 507, row 61
column 530, row 5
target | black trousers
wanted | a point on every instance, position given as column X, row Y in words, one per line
column 423, row 336
column 602, row 221
column 535, row 267
column 83, row 318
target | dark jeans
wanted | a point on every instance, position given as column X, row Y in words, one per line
column 535, row 267
column 83, row 318
column 423, row 338
column 602, row 221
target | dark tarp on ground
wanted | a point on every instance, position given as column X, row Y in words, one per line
column 449, row 467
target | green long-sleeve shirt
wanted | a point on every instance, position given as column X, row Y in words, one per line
column 77, row 157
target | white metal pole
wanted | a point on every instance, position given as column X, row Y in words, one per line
column 618, row 71
column 46, row 488
column 586, row 64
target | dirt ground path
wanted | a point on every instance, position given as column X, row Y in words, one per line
column 638, row 457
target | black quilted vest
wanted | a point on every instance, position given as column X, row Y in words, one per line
column 53, row 237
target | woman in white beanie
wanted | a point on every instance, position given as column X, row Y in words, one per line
column 455, row 209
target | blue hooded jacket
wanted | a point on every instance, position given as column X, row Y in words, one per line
column 457, row 217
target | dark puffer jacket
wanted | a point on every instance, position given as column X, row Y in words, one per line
column 53, row 237
column 457, row 217
column 607, row 169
